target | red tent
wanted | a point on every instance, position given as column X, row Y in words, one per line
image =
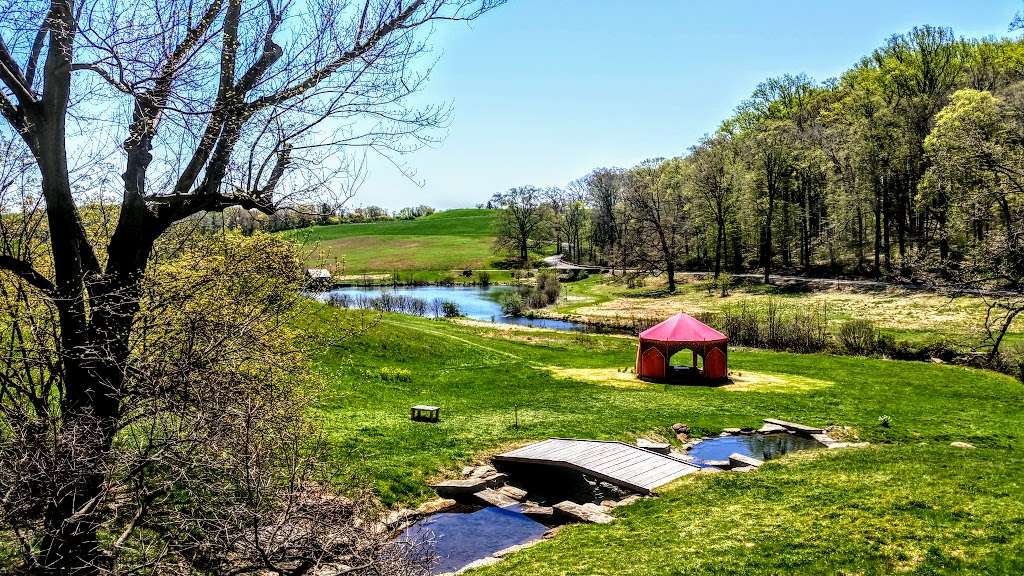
column 681, row 332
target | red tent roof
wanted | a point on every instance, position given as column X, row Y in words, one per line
column 682, row 328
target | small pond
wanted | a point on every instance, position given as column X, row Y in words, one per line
column 457, row 539
column 475, row 302
column 760, row 446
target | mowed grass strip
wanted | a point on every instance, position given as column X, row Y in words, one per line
column 449, row 240
column 910, row 503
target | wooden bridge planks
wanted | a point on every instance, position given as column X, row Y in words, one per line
column 614, row 462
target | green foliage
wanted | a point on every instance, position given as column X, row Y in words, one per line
column 391, row 374
column 857, row 336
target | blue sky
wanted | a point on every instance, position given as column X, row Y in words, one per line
column 545, row 90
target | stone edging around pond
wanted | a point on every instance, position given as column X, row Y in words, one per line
column 485, row 486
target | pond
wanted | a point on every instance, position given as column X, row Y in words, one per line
column 457, row 539
column 475, row 302
column 760, row 446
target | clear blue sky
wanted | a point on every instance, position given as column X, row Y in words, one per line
column 545, row 90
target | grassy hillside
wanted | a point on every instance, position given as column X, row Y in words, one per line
column 909, row 503
column 449, row 240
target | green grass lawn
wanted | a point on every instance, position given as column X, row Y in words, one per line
column 910, row 503
column 449, row 240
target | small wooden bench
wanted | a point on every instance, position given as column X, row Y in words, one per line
column 424, row 413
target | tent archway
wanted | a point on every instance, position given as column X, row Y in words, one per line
column 682, row 332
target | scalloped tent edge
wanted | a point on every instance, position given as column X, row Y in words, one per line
column 658, row 343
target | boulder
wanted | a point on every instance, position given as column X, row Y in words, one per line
column 651, row 446
column 513, row 492
column 494, row 498
column 680, row 428
column 455, row 488
column 737, row 460
column 573, row 512
column 682, row 437
column 961, row 445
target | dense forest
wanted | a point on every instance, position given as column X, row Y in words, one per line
column 908, row 166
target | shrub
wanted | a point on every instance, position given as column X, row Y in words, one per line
column 548, row 285
column 709, row 283
column 393, row 374
column 450, row 309
column 467, row 273
column 885, row 421
column 724, row 282
column 483, row 277
column 511, row 304
column 857, row 336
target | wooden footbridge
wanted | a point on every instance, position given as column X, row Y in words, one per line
column 617, row 463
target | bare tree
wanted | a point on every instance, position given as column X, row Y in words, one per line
column 232, row 102
column 521, row 221
column 653, row 195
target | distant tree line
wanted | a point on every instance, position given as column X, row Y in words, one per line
column 909, row 166
column 249, row 221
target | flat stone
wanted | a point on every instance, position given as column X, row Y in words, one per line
column 467, row 471
column 539, row 513
column 453, row 488
column 435, row 505
column 737, row 460
column 840, row 445
column 496, row 479
column 961, row 445
column 597, row 508
column 574, row 512
column 824, row 439
column 770, row 429
column 802, row 428
column 746, row 431
column 513, row 492
column 681, row 456
column 717, row 463
column 659, row 447
column 730, row 431
column 743, row 469
column 482, row 471
column 494, row 498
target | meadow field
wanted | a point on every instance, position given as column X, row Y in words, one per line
column 443, row 241
column 909, row 503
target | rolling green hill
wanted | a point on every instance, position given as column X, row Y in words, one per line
column 449, row 240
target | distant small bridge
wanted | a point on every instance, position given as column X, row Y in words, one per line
column 617, row 463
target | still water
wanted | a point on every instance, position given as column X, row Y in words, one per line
column 760, row 446
column 457, row 539
column 475, row 302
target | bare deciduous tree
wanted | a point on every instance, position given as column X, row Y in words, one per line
column 211, row 104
